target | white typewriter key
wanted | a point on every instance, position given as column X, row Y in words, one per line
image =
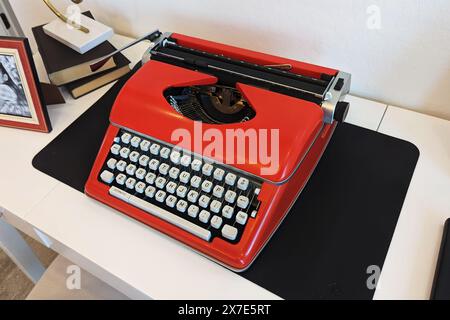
column 153, row 164
column 131, row 169
column 117, row 139
column 171, row 200
column 143, row 160
column 120, row 194
column 150, row 178
column 207, row 169
column 230, row 179
column 107, row 176
column 192, row 196
column 218, row 174
column 184, row 177
column 164, row 168
column 196, row 165
column 121, row 165
column 115, row 149
column 181, row 191
column 126, row 137
column 242, row 184
column 130, row 183
column 215, row 206
column 195, row 181
column 120, row 179
column 242, row 202
column 150, row 191
column 257, row 191
column 164, row 153
column 140, row 173
column 171, row 187
column 124, row 152
column 216, row 222
column 230, row 196
column 160, row 196
column 134, row 156
column 185, row 161
column 181, row 206
column 139, row 187
column 193, row 211
column 135, row 141
column 162, row 214
column 175, row 157
column 144, row 145
column 227, row 212
column 111, row 163
column 160, row 182
column 204, row 216
column 229, row 232
column 204, row 201
column 254, row 212
column 154, row 149
column 207, row 186
column 218, row 191
column 241, row 217
column 174, row 172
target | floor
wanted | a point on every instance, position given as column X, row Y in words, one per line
column 14, row 285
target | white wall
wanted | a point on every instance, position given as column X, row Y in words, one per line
column 402, row 58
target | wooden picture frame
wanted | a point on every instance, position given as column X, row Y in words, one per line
column 22, row 102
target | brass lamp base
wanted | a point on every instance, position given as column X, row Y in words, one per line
column 64, row 18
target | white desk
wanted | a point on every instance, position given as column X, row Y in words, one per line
column 143, row 263
column 410, row 264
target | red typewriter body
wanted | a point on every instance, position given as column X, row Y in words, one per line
column 303, row 134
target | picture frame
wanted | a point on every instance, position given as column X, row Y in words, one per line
column 22, row 103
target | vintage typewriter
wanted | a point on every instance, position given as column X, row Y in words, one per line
column 186, row 151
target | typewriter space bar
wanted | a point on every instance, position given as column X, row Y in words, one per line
column 161, row 213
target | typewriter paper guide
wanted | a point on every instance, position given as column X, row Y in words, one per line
column 142, row 106
column 298, row 67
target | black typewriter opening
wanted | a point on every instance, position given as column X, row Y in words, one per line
column 216, row 104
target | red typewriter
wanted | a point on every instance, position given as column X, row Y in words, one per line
column 212, row 144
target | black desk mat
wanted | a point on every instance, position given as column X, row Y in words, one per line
column 341, row 224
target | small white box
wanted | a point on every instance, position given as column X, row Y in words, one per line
column 76, row 39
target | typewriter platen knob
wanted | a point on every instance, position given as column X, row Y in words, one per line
column 341, row 111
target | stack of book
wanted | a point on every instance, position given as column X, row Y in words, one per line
column 66, row 67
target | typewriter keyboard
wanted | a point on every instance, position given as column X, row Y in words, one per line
column 199, row 196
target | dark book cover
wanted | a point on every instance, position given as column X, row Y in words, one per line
column 100, row 79
column 58, row 57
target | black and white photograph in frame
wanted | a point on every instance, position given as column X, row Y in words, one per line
column 22, row 104
column 13, row 99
